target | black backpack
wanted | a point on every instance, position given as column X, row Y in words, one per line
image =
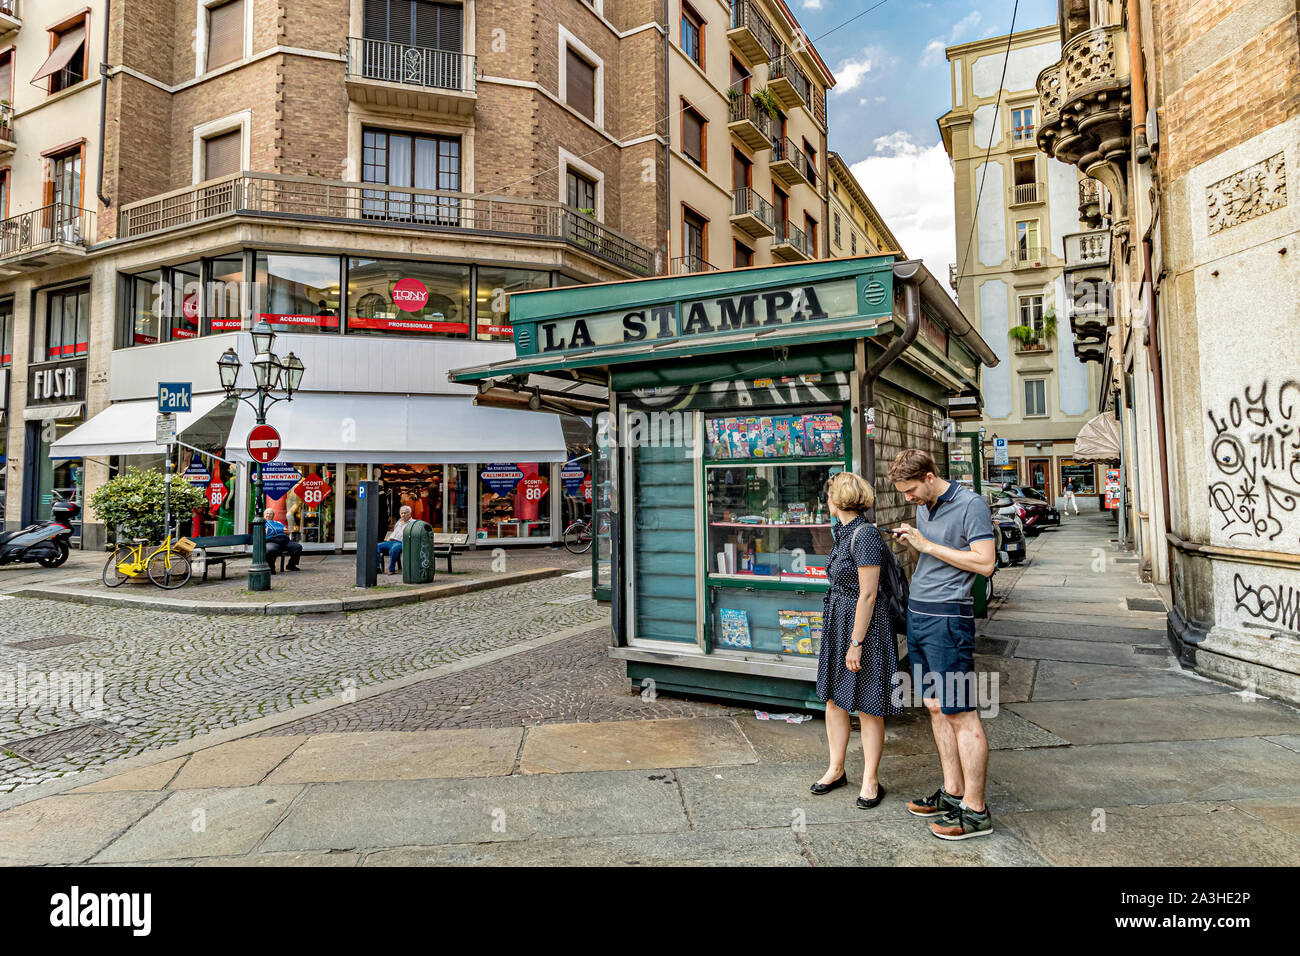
column 893, row 583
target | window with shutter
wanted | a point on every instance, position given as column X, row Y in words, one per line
column 693, row 136
column 225, row 33
column 222, row 154
column 580, row 84
column 374, row 20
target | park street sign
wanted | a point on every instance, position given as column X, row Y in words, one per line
column 174, row 396
column 165, row 430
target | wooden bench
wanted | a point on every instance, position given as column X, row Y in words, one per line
column 221, row 557
column 446, row 545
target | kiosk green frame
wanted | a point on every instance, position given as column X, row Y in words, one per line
column 721, row 404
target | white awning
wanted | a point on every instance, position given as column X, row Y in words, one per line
column 69, row 44
column 1098, row 440
column 45, row 413
column 400, row 429
column 128, row 428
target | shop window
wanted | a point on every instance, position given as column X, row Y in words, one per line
column 57, row 479
column 307, row 508
column 67, row 325
column 514, row 501
column 225, row 33
column 416, row 162
column 492, row 297
column 693, row 135
column 147, row 307
column 224, row 294
column 298, row 293
column 416, row 486
column 408, row 298
column 1035, row 397
column 6, row 338
column 1083, row 476
column 186, row 301
column 456, row 519
column 692, row 34
column 1001, row 475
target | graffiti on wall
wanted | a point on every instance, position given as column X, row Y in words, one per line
column 1255, row 488
column 1269, row 605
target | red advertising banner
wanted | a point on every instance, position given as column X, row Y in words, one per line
column 216, row 493
column 530, row 492
column 386, row 324
column 312, row 490
column 495, row 329
column 586, row 488
column 315, row 321
column 233, row 324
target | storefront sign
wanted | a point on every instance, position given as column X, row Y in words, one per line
column 410, row 295
column 571, row 475
column 197, row 474
column 533, row 488
column 312, row 490
column 216, row 494
column 330, row 321
column 232, row 324
column 502, row 479
column 1112, row 488
column 56, row 382
column 834, row 299
column 383, row 323
column 586, row 488
column 278, row 479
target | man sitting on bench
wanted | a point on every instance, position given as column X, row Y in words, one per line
column 392, row 545
column 278, row 542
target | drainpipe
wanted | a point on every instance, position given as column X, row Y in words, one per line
column 103, row 102
column 668, row 152
column 909, row 274
column 1138, row 82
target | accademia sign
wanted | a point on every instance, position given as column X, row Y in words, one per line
column 835, row 299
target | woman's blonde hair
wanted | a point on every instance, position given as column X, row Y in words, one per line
column 850, row 492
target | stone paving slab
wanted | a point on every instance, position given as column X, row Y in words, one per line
column 202, row 823
column 398, row 755
column 392, row 813
column 1281, row 814
column 70, row 828
column 911, row 733
column 769, row 847
column 1195, row 834
column 639, row 745
column 154, row 777
column 1099, row 775
column 1085, row 652
column 1069, row 630
column 1141, row 620
column 1071, row 680
column 1192, row 717
column 907, row 841
column 239, row 763
column 284, row 859
column 1289, row 741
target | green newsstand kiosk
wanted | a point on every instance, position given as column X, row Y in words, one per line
column 722, row 402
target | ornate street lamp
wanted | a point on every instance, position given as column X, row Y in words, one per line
column 270, row 375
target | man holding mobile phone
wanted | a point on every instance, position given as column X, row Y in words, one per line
column 954, row 542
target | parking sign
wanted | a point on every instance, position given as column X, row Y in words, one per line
column 174, row 397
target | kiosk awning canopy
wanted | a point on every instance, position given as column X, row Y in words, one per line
column 400, row 429
column 1098, row 440
column 128, row 428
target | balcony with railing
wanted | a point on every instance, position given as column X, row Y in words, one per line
column 1023, row 194
column 790, row 165
column 1087, row 250
column 400, row 76
column 748, row 121
column 7, row 141
column 686, row 265
column 10, row 20
column 752, row 214
column 281, row 197
column 49, row 236
column 952, row 276
column 751, row 33
column 1086, row 100
column 1090, row 202
column 1028, row 257
column 789, row 83
column 790, row 243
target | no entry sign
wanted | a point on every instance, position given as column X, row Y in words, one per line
column 263, row 444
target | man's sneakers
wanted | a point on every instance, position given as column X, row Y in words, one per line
column 963, row 823
column 939, row 803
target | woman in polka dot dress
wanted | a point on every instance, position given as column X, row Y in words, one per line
column 858, row 659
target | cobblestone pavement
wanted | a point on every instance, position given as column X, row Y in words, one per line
column 566, row 682
column 322, row 577
column 167, row 678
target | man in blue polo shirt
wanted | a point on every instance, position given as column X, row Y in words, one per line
column 954, row 542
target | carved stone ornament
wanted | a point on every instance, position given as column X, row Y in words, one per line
column 1248, row 194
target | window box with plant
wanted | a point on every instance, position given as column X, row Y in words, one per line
column 1031, row 339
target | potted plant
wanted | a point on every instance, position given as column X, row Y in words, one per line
column 766, row 101
column 134, row 503
column 1024, row 335
column 1049, row 324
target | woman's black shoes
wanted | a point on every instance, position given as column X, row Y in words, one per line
column 865, row 804
column 822, row 788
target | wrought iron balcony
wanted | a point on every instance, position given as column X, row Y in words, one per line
column 1028, row 257
column 1024, row 193
column 752, row 214
column 398, row 75
column 791, row 165
column 278, row 196
column 749, row 122
column 1086, row 101
column 685, row 265
column 789, row 83
column 791, row 243
column 1087, row 250
column 751, row 34
column 10, row 20
column 1090, row 202
column 49, row 236
column 7, row 141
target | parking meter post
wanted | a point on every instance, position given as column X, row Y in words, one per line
column 367, row 532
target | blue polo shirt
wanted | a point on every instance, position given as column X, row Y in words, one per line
column 957, row 519
column 274, row 527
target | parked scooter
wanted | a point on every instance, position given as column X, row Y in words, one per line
column 47, row 543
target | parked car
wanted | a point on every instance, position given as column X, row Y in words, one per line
column 1036, row 515
column 1023, row 491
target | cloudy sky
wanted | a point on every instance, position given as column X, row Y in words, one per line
column 892, row 85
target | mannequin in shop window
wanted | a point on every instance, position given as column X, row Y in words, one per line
column 392, row 545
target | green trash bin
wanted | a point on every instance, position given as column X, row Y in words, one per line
column 417, row 553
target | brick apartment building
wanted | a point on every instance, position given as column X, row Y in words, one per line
column 173, row 172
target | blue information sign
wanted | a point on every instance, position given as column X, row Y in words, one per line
column 571, row 475
column 278, row 479
column 174, row 397
column 502, row 479
column 197, row 474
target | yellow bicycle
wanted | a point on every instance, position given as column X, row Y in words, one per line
column 166, row 566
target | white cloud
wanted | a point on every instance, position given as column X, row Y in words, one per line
column 812, row 4
column 934, row 50
column 911, row 186
column 851, row 73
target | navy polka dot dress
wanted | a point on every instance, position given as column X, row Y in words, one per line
column 869, row 690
